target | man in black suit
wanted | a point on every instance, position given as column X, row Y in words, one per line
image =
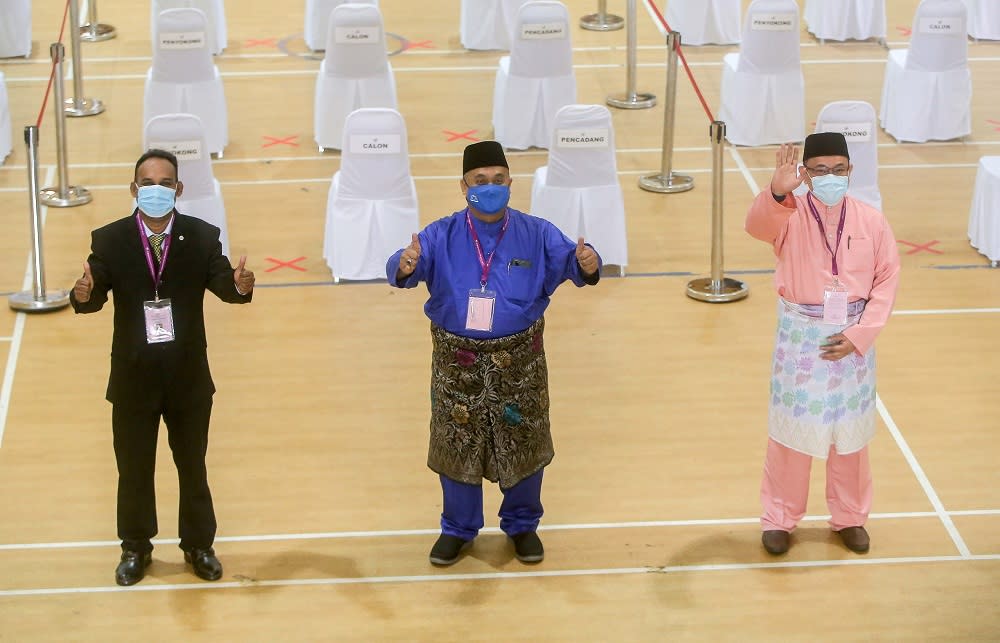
column 159, row 263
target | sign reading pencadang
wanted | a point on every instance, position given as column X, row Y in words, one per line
column 582, row 138
column 183, row 150
column 773, row 22
column 375, row 144
column 357, row 35
column 543, row 30
column 180, row 40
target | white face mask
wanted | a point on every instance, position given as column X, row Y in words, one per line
column 830, row 189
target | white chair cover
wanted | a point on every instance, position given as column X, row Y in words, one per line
column 355, row 72
column 536, row 79
column 372, row 206
column 578, row 190
column 927, row 92
column 215, row 14
column 15, row 28
column 856, row 120
column 845, row 19
column 763, row 91
column 705, row 22
column 318, row 20
column 6, row 135
column 984, row 216
column 184, row 135
column 984, row 19
column 487, row 24
column 183, row 78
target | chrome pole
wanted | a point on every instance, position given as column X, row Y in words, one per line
column 37, row 299
column 666, row 182
column 78, row 105
column 631, row 100
column 94, row 30
column 602, row 20
column 717, row 289
column 63, row 195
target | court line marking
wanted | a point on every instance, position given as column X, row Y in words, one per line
column 925, row 483
column 445, row 577
column 6, row 339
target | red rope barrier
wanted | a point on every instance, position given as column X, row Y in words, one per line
column 52, row 74
column 687, row 68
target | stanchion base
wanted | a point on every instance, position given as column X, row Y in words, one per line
column 633, row 101
column 83, row 107
column 717, row 292
column 25, row 301
column 597, row 22
column 666, row 184
column 75, row 195
column 97, row 33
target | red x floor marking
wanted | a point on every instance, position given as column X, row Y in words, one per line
column 288, row 140
column 285, row 264
column 921, row 247
column 904, row 31
column 419, row 44
column 263, row 42
column 453, row 136
column 995, row 124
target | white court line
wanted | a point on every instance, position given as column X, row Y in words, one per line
column 445, row 577
column 742, row 167
column 946, row 311
column 6, row 339
column 918, row 471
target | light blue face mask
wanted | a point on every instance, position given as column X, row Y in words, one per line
column 830, row 189
column 489, row 198
column 155, row 200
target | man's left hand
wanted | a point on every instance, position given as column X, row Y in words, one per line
column 242, row 277
column 836, row 347
column 586, row 257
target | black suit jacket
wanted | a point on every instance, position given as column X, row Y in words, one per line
column 148, row 375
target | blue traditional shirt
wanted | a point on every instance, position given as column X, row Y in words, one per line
column 533, row 257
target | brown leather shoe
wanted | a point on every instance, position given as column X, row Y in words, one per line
column 776, row 541
column 855, row 538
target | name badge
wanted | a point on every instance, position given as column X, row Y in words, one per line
column 159, row 321
column 835, row 304
column 479, row 315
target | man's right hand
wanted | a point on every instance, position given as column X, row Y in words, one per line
column 408, row 260
column 787, row 173
column 83, row 285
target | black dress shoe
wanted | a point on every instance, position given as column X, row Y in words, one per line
column 206, row 565
column 528, row 547
column 856, row 539
column 775, row 541
column 132, row 567
column 448, row 549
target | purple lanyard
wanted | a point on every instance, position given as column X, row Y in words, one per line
column 148, row 249
column 484, row 262
column 822, row 228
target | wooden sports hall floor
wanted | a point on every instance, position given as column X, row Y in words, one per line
column 325, row 507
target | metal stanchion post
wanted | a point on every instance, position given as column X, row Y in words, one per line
column 64, row 195
column 717, row 289
column 78, row 105
column 602, row 20
column 665, row 181
column 38, row 299
column 631, row 100
column 95, row 31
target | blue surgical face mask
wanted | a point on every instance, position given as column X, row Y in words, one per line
column 829, row 189
column 489, row 198
column 155, row 200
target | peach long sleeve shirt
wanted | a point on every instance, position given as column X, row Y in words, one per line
column 867, row 258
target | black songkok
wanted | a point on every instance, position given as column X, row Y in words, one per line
column 825, row 144
column 483, row 154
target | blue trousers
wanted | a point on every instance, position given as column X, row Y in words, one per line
column 520, row 510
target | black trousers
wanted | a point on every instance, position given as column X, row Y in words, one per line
column 135, row 433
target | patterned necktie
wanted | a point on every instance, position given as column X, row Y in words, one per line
column 156, row 242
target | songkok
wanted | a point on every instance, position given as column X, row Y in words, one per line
column 825, row 144
column 483, row 154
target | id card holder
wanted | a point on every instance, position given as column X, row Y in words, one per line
column 159, row 318
column 480, row 312
column 835, row 304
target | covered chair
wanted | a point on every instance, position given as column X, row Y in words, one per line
column 355, row 72
column 15, row 28
column 487, row 24
column 927, row 91
column 215, row 16
column 183, row 78
column 371, row 209
column 984, row 19
column 578, row 190
column 984, row 216
column 763, row 91
column 184, row 135
column 6, row 135
column 318, row 19
column 845, row 19
column 705, row 22
column 536, row 79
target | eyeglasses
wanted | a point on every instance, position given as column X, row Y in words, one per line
column 823, row 170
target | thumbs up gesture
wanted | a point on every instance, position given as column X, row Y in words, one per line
column 411, row 255
column 84, row 285
column 242, row 277
column 586, row 257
